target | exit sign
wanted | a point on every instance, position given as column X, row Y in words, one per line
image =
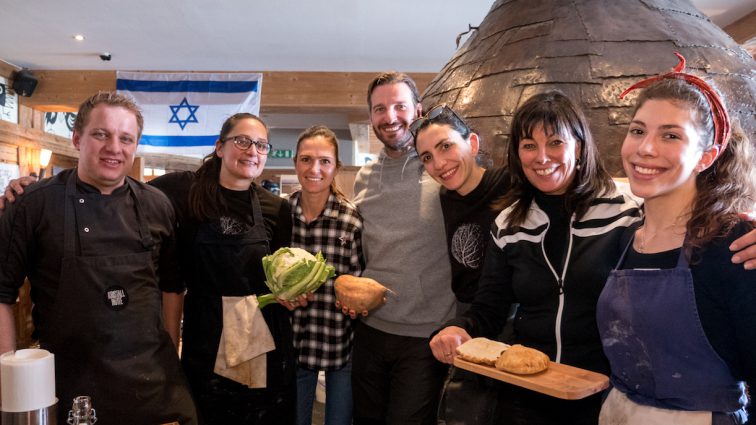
column 282, row 153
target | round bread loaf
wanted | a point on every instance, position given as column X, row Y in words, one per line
column 522, row 360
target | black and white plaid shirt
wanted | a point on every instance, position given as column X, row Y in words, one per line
column 322, row 334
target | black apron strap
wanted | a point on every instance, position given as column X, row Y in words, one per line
column 259, row 224
column 144, row 231
column 682, row 260
column 624, row 252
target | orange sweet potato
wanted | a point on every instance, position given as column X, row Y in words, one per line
column 359, row 293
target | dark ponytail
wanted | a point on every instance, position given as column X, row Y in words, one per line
column 205, row 201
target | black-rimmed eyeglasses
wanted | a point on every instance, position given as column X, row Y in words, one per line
column 243, row 143
column 433, row 114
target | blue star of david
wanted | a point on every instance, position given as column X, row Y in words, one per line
column 176, row 108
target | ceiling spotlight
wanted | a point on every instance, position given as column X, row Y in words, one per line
column 78, row 37
column 105, row 56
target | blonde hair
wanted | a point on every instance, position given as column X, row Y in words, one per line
column 109, row 98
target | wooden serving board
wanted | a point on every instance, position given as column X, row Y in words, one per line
column 559, row 380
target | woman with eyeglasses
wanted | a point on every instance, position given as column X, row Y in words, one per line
column 226, row 224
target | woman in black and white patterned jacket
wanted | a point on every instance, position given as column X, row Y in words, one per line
column 550, row 250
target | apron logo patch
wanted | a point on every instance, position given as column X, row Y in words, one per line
column 116, row 298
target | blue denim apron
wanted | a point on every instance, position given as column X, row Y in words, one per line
column 659, row 354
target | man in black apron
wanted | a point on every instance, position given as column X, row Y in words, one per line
column 98, row 249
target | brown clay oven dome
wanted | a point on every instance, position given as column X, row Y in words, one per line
column 590, row 50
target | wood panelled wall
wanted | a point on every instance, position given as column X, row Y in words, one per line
column 282, row 92
column 743, row 29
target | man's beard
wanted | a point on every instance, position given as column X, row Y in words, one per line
column 400, row 146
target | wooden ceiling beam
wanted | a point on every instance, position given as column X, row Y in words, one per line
column 16, row 135
column 743, row 29
column 7, row 69
column 282, row 92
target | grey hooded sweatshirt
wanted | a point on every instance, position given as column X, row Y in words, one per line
column 404, row 245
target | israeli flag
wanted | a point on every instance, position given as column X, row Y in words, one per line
column 183, row 112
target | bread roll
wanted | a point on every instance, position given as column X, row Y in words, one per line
column 522, row 360
column 481, row 351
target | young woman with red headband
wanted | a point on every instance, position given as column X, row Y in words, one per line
column 676, row 316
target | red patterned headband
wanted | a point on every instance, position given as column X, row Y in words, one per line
column 718, row 112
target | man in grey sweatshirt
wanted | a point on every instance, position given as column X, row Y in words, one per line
column 396, row 379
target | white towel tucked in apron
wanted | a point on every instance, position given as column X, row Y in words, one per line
column 244, row 341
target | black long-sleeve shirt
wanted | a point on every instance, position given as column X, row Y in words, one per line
column 468, row 219
column 275, row 210
column 31, row 236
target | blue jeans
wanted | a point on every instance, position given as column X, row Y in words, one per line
column 338, row 395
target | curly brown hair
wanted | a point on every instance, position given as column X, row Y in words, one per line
column 728, row 186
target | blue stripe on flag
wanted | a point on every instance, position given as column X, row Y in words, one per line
column 187, row 86
column 178, row 141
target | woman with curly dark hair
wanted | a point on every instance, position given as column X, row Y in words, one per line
column 677, row 316
column 549, row 251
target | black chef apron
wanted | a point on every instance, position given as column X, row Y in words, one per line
column 107, row 332
column 230, row 265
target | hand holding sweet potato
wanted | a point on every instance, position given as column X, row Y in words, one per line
column 358, row 295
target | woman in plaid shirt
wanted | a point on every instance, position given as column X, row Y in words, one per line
column 324, row 220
